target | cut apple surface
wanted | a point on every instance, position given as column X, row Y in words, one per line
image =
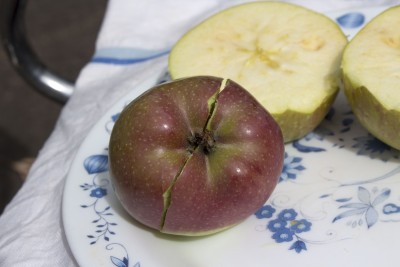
column 287, row 56
column 371, row 73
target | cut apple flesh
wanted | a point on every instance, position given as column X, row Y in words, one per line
column 287, row 56
column 371, row 72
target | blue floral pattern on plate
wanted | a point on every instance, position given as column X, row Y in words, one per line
column 351, row 20
column 363, row 206
column 291, row 168
column 103, row 223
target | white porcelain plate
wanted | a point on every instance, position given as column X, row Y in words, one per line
column 337, row 203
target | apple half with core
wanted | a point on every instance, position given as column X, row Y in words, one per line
column 195, row 156
column 286, row 56
column 371, row 74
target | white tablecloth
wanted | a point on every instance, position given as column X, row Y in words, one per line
column 31, row 231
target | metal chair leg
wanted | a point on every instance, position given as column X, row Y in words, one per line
column 23, row 58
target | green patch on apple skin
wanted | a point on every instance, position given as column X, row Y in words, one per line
column 297, row 124
column 383, row 123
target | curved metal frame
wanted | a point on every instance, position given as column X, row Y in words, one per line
column 22, row 56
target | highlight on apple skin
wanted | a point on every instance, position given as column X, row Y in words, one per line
column 195, row 156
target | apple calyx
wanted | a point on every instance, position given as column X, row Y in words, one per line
column 204, row 141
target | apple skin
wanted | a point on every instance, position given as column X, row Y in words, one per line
column 381, row 122
column 178, row 169
column 295, row 124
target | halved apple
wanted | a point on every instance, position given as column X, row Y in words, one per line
column 286, row 56
column 371, row 73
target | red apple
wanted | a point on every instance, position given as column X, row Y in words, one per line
column 195, row 156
